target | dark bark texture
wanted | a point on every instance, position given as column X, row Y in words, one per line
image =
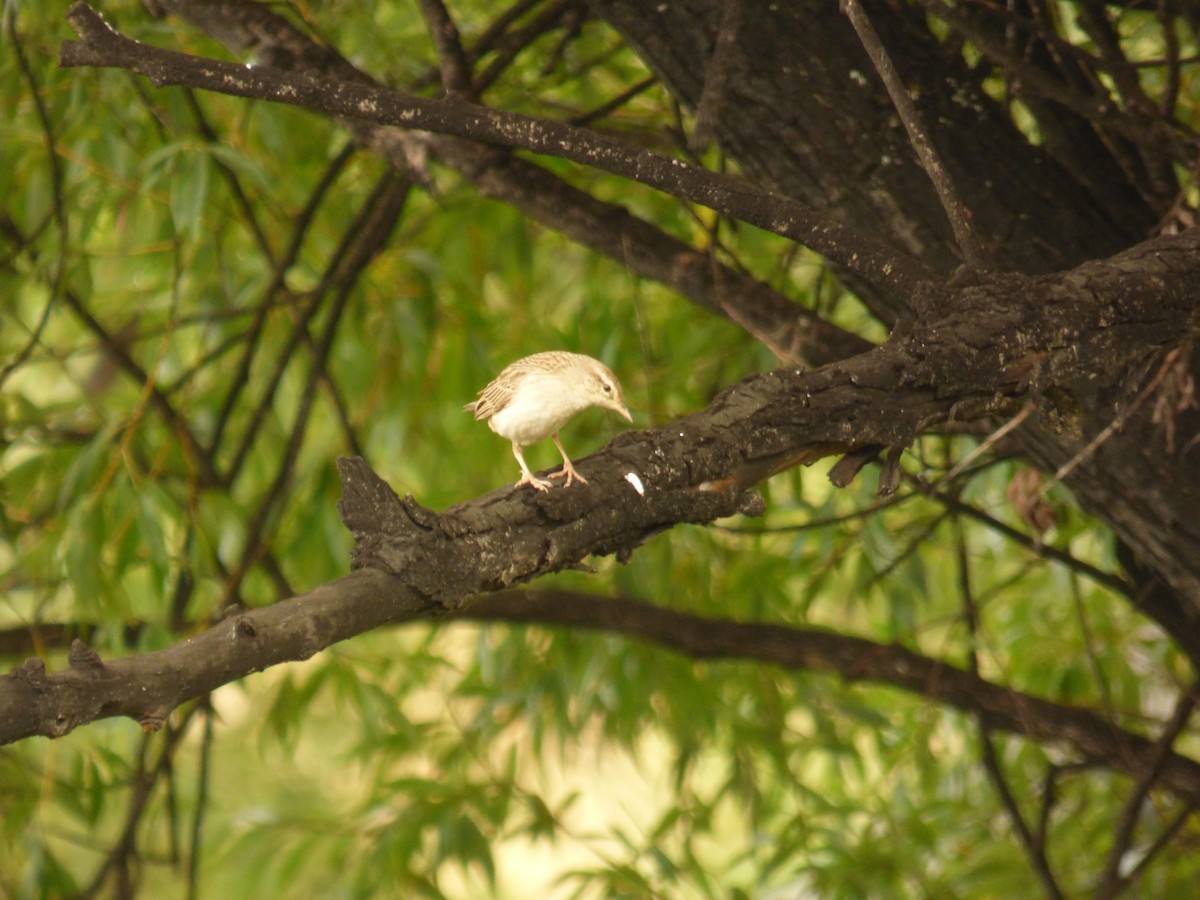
column 803, row 112
column 1003, row 342
column 1085, row 315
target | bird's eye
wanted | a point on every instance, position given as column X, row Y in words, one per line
column 607, row 387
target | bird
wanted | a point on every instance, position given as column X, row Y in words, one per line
column 532, row 399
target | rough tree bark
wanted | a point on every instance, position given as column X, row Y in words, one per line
column 998, row 344
column 813, row 124
column 802, row 112
column 796, row 103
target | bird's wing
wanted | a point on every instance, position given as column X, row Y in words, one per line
column 496, row 395
column 499, row 393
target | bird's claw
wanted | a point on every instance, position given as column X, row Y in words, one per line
column 568, row 472
column 538, row 484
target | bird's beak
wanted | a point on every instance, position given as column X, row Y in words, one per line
column 624, row 411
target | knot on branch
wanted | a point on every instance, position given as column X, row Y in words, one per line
column 751, row 503
column 83, row 659
column 153, row 719
column 32, row 671
column 244, row 627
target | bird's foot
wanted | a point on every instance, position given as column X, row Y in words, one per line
column 568, row 472
column 538, row 484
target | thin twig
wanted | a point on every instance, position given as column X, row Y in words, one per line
column 872, row 259
column 909, row 550
column 1096, row 108
column 990, row 441
column 202, row 798
column 1115, row 425
column 1095, row 24
column 1172, row 62
column 649, row 252
column 1033, row 846
column 718, row 74
column 610, row 106
column 193, row 449
column 1091, row 647
column 1112, row 882
column 59, row 208
column 815, row 524
column 232, row 179
column 956, row 210
column 1160, row 843
column 1152, row 154
column 452, row 61
column 125, row 852
column 510, row 44
column 300, row 228
column 241, row 379
column 362, row 241
column 1107, row 579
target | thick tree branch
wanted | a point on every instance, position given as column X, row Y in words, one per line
column 463, row 554
column 793, row 332
column 787, row 128
column 1004, row 339
column 880, row 265
column 146, row 686
column 1134, row 510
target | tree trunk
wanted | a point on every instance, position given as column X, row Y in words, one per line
column 793, row 99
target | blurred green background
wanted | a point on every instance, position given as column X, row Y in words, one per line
column 185, row 235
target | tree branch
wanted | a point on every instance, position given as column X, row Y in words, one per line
column 1034, row 847
column 874, row 261
column 1097, row 109
column 452, row 61
column 795, row 333
column 1112, row 880
column 852, row 658
column 362, row 241
column 956, row 211
column 34, row 702
column 299, row 231
column 979, row 359
column 146, row 687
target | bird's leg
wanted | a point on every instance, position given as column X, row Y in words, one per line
column 568, row 470
column 527, row 477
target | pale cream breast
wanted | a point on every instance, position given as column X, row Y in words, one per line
column 540, row 405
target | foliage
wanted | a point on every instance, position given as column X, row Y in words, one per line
column 155, row 242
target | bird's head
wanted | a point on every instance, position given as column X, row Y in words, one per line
column 603, row 389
